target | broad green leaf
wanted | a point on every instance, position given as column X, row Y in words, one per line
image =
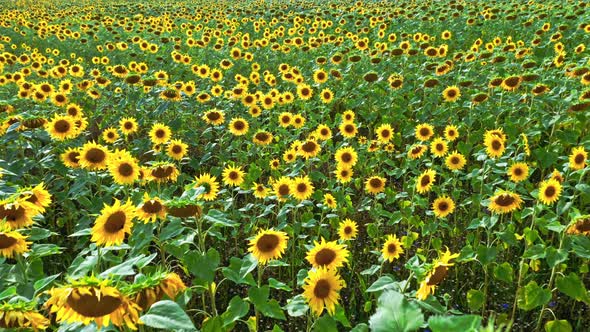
column 42, row 283
column 555, row 256
column 236, row 309
column 475, row 299
column 249, row 263
column 385, row 282
column 558, row 326
column 465, row 323
column 213, row 324
column 325, row 324
column 167, row 315
column 259, row 297
column 572, row 286
column 296, row 306
column 232, row 272
column 535, row 252
column 362, row 327
column 274, row 283
column 395, row 313
column 581, row 246
column 532, row 296
column 203, row 266
column 504, row 272
column 486, row 255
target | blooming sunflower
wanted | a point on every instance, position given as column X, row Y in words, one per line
column 282, row 188
column 113, row 223
column 375, row 184
column 330, row 201
column 417, row 151
column 18, row 212
column 518, row 172
column 176, row 149
column 343, row 174
column 346, row 156
column 579, row 225
column 451, row 133
column 348, row 116
column 233, row 176
column 214, row 117
column 556, row 175
column 549, row 191
column 384, row 133
column 347, row 230
column 324, row 132
column 12, row 242
column 439, row 147
column 577, row 158
column 285, row 119
column 435, row 275
column 425, row 181
column 22, row 315
column 91, row 300
column 309, row 149
column 301, row 188
column 150, row 209
column 238, row 126
column 348, row 129
column 504, row 202
column 443, row 206
column 451, row 94
column 160, row 133
column 61, row 127
column 128, row 126
column 304, row 91
column 262, row 138
column 321, row 290
column 209, row 183
column 330, row 255
column 37, row 195
column 392, row 248
column 268, row 244
column 494, row 145
column 260, row 191
column 455, row 161
column 149, row 289
column 124, row 169
column 110, row 135
column 424, row 131
column 93, row 156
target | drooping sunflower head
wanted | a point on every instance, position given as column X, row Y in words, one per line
column 113, row 224
column 321, row 290
column 375, row 184
column 392, row 248
column 268, row 244
column 577, row 158
column 162, row 172
column 37, row 195
column 149, row 289
column 22, row 315
column 504, row 202
column 233, row 176
column 417, row 151
column 92, row 300
column 443, row 206
column 579, row 225
column 210, row 185
column 549, row 191
column 424, row 131
column 425, row 181
column 330, row 255
column 437, row 273
column 347, row 230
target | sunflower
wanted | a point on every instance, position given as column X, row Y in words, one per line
column 425, row 181
column 556, row 175
column 504, row 202
column 160, row 133
column 347, row 230
column 579, row 225
column 424, row 131
column 285, row 119
column 439, row 147
column 149, row 289
column 451, row 93
column 61, row 127
column 375, row 184
column 443, row 206
column 262, row 138
column 330, row 201
column 176, row 149
column 124, row 169
column 110, row 135
column 37, row 195
column 309, row 149
column 304, row 91
column 113, row 223
column 12, row 242
column 274, row 164
column 128, row 126
column 455, row 161
column 326, row 96
column 451, row 133
column 209, row 183
column 93, row 156
column 330, row 255
column 71, row 158
column 91, row 300
column 417, row 151
column 343, row 174
column 321, row 290
column 22, row 315
column 384, row 133
column 392, row 248
column 348, row 116
column 214, row 117
column 494, row 145
column 518, row 172
column 282, row 188
column 18, row 212
column 161, row 172
column 577, row 158
column 348, row 129
column 239, row 126
column 233, row 176
column 150, row 209
column 435, row 275
column 346, row 156
column 301, row 188
column 260, row 191
column 268, row 244
column 549, row 191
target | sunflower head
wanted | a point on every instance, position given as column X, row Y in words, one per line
column 425, row 181
column 12, row 242
column 375, row 184
column 113, row 224
column 443, row 206
column 577, row 158
column 347, row 230
column 392, row 248
column 424, row 131
column 268, row 244
column 579, row 225
column 330, row 255
column 321, row 290
column 504, row 202
column 149, row 289
column 22, row 315
column 549, row 191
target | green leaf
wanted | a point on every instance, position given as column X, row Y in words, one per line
column 555, row 256
column 581, row 246
column 504, row 272
column 385, row 282
column 340, row 316
column 274, row 283
column 475, row 299
column 40, row 284
column 558, row 326
column 486, row 254
column 232, row 272
column 362, row 327
column 325, row 324
column 203, row 266
column 236, row 309
column 126, row 268
column 8, row 292
column 297, row 306
column 535, row 252
column 167, row 315
column 219, row 219
column 214, row 324
column 259, row 297
column 572, row 286
column 465, row 323
column 395, row 313
column 532, row 296
column 249, row 263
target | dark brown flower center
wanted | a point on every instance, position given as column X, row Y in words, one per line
column 455, row 160
column 91, row 305
column 439, row 274
column 267, row 243
column 496, row 145
column 162, row 171
column 583, row 225
column 125, row 169
column 160, row 133
column 239, row 125
column 375, row 183
column 152, row 207
column 579, row 158
column 62, row 126
column 309, row 146
column 12, row 213
column 504, row 200
column 443, row 206
column 284, row 190
column 95, row 155
column 518, row 171
column 325, row 257
column 550, row 191
column 347, row 230
column 115, row 222
column 322, row 289
column 451, row 93
column 424, row 132
column 346, row 157
column 349, row 128
column 233, row 175
column 301, row 188
column 262, row 137
column 425, row 180
column 6, row 241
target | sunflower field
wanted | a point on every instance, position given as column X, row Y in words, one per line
column 294, row 165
